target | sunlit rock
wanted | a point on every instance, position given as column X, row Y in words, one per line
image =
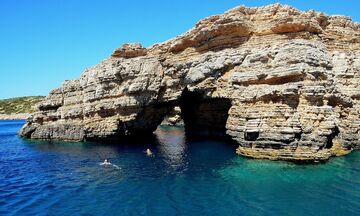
column 282, row 83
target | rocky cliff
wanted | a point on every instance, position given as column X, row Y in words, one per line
column 282, row 83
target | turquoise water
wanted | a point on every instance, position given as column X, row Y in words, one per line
column 183, row 178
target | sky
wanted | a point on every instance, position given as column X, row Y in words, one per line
column 44, row 42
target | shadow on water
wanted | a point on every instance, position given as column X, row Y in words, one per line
column 174, row 154
column 184, row 177
column 169, row 145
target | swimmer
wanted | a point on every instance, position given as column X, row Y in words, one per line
column 106, row 162
column 148, row 152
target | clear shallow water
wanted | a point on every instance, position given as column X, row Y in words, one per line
column 183, row 178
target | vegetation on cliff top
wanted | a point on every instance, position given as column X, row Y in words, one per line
column 19, row 104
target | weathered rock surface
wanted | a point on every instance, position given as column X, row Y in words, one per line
column 281, row 82
column 173, row 118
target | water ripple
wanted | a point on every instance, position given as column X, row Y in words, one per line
column 183, row 178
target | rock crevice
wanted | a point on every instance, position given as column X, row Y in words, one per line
column 282, row 83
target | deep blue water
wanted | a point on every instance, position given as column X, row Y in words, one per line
column 183, row 178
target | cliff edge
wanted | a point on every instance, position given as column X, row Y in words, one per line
column 282, row 83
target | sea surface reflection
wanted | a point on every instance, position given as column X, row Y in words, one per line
column 172, row 146
column 184, row 177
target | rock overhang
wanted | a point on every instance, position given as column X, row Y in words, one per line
column 291, row 77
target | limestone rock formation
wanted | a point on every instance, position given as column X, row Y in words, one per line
column 173, row 118
column 282, row 83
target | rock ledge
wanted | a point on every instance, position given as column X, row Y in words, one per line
column 282, row 83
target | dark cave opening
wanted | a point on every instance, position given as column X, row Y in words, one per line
column 251, row 136
column 201, row 117
column 334, row 132
column 204, row 117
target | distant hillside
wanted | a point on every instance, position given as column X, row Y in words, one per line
column 19, row 104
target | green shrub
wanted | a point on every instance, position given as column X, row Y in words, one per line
column 19, row 104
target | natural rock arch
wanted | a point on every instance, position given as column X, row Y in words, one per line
column 204, row 116
column 288, row 88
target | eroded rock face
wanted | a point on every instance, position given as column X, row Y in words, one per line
column 281, row 82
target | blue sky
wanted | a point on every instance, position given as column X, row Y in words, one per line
column 43, row 43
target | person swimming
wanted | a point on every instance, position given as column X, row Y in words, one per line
column 149, row 152
column 108, row 163
column 105, row 163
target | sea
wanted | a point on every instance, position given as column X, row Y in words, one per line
column 182, row 177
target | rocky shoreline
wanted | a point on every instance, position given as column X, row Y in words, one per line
column 282, row 83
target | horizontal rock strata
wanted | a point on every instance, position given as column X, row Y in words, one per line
column 282, row 83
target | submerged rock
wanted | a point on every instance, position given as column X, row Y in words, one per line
column 282, row 83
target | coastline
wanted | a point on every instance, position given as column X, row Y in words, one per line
column 17, row 116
